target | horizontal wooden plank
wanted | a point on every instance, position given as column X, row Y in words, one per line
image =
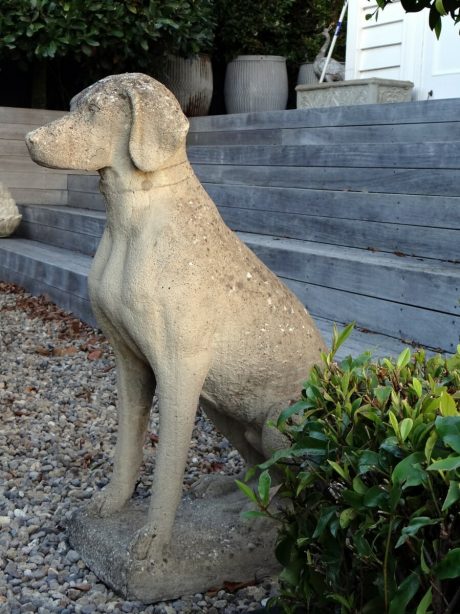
column 37, row 117
column 422, row 283
column 362, row 155
column 25, row 164
column 400, row 133
column 436, row 111
column 32, row 196
column 420, row 241
column 425, row 327
column 84, row 183
column 435, row 211
column 87, row 200
column 442, row 182
column 10, row 147
column 15, row 132
column 40, row 181
column 388, row 133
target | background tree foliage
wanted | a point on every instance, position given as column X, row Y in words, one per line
column 437, row 9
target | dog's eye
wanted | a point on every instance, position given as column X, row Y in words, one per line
column 93, row 108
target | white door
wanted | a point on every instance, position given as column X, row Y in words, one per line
column 440, row 69
column 400, row 45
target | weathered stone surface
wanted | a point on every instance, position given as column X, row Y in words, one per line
column 9, row 213
column 211, row 544
column 191, row 312
column 355, row 91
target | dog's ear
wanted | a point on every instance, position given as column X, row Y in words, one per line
column 158, row 126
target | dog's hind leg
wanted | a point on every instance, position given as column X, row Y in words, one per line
column 136, row 387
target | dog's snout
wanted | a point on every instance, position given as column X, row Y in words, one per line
column 31, row 138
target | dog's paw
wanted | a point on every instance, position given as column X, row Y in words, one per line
column 106, row 502
column 146, row 544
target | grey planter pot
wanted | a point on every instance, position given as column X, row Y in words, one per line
column 190, row 80
column 256, row 83
column 306, row 75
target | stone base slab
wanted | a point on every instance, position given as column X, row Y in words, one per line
column 212, row 544
column 356, row 91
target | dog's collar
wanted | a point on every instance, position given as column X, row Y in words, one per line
column 158, row 179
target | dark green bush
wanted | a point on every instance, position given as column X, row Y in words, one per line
column 371, row 486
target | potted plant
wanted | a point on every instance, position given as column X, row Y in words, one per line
column 184, row 64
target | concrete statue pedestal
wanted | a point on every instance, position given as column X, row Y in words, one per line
column 211, row 545
column 357, row 91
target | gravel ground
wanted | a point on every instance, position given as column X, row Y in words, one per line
column 57, row 434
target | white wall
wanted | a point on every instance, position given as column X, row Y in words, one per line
column 401, row 46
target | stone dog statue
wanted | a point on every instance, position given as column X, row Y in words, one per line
column 189, row 309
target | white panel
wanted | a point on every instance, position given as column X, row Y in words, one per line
column 392, row 12
column 383, row 73
column 383, row 57
column 382, row 35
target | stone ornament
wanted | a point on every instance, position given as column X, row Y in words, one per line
column 192, row 315
column 9, row 213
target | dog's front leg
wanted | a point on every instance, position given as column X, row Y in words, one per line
column 179, row 386
column 136, row 386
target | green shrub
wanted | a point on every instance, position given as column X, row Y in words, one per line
column 371, row 486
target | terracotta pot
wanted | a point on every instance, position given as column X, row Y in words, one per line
column 190, row 80
column 256, row 83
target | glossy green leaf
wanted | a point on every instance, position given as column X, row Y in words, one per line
column 417, row 386
column 404, row 593
column 340, row 470
column 403, row 358
column 449, row 567
column 247, row 490
column 447, row 405
column 409, row 471
column 448, row 429
column 346, row 516
column 446, row 464
column 405, row 428
column 453, row 495
column 413, row 527
column 425, row 602
column 264, row 487
column 394, row 422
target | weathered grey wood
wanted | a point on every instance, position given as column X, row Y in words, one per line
column 427, row 284
column 421, row 241
column 37, row 117
column 17, row 132
column 436, row 111
column 32, row 196
column 86, row 200
column 71, row 229
column 83, row 183
column 388, row 133
column 396, row 181
column 420, row 210
column 12, row 147
column 40, row 181
column 359, row 341
column 425, row 327
column 364, row 155
column 55, row 267
column 234, row 137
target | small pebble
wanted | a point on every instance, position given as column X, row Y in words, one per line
column 57, row 436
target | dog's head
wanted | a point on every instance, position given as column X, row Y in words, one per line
column 122, row 117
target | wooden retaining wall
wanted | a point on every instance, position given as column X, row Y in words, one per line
column 356, row 208
column 28, row 182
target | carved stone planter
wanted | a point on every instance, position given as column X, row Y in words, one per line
column 256, row 83
column 358, row 91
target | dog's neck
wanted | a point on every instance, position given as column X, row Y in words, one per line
column 117, row 181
